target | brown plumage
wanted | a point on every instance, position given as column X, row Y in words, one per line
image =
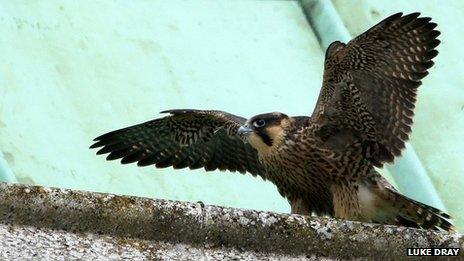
column 323, row 164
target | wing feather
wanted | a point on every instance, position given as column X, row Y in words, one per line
column 186, row 138
column 370, row 84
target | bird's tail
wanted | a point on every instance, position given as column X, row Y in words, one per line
column 404, row 211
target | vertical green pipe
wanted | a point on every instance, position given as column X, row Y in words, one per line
column 408, row 171
column 6, row 174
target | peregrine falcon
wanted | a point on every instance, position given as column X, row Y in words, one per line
column 322, row 164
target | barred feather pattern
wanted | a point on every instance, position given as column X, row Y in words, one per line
column 370, row 83
column 187, row 138
column 404, row 211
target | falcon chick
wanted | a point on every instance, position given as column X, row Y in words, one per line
column 323, row 164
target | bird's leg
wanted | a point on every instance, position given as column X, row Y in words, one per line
column 299, row 206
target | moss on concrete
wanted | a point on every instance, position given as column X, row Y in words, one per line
column 129, row 218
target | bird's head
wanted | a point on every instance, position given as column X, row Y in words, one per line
column 266, row 131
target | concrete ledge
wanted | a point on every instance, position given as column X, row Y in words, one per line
column 151, row 222
column 31, row 243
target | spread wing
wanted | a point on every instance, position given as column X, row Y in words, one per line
column 186, row 138
column 369, row 86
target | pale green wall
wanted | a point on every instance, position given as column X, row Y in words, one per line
column 70, row 72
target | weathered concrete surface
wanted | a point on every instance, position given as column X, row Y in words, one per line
column 25, row 243
column 130, row 222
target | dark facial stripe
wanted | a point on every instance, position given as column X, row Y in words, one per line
column 266, row 139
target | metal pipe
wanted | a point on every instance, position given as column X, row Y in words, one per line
column 6, row 174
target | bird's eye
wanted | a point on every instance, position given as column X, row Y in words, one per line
column 259, row 123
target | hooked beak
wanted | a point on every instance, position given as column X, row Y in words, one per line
column 244, row 130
